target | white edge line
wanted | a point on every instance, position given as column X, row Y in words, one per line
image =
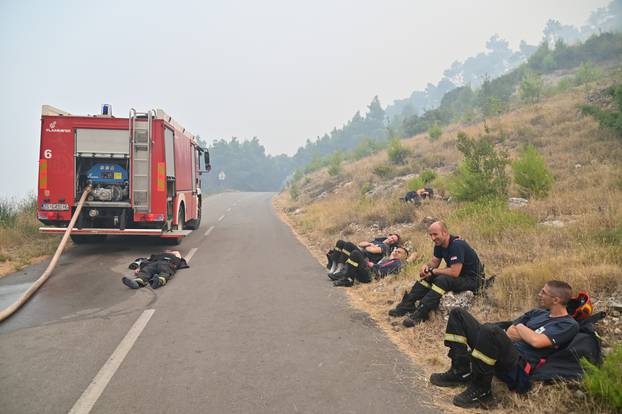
column 209, row 231
column 95, row 389
column 221, row 217
column 190, row 254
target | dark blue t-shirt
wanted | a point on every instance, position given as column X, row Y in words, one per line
column 459, row 251
column 375, row 257
column 560, row 330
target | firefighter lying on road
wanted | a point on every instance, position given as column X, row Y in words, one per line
column 510, row 354
column 156, row 271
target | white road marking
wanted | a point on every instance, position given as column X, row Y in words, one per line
column 190, row 254
column 209, row 231
column 221, row 217
column 92, row 393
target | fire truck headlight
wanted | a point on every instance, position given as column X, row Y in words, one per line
column 93, row 213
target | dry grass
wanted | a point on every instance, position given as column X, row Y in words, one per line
column 514, row 245
column 21, row 244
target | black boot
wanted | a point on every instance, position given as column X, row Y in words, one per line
column 415, row 318
column 342, row 272
column 458, row 374
column 346, row 282
column 476, row 395
column 404, row 307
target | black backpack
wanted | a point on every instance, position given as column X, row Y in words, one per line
column 564, row 364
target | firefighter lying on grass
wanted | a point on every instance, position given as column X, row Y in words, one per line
column 155, row 271
column 513, row 353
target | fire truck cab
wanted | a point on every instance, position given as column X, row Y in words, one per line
column 144, row 172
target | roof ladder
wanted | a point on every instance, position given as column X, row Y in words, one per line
column 141, row 138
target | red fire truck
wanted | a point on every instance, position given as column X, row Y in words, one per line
column 144, row 172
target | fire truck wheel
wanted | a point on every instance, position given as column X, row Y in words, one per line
column 83, row 239
column 194, row 224
column 181, row 218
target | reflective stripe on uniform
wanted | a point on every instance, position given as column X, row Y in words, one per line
column 438, row 290
column 344, row 251
column 424, row 283
column 352, row 262
column 455, row 338
column 485, row 359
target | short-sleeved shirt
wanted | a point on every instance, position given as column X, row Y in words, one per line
column 459, row 251
column 560, row 330
column 385, row 250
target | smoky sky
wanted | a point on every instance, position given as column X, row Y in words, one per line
column 283, row 71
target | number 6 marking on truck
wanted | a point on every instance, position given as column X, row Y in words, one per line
column 47, row 153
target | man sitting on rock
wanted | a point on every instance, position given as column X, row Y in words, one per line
column 463, row 272
column 358, row 267
column 510, row 354
column 156, row 271
column 373, row 250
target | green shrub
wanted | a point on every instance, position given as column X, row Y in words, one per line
column 383, row 171
column 294, row 191
column 531, row 174
column 365, row 188
column 297, row 175
column 435, row 131
column 482, row 173
column 397, row 152
column 334, row 164
column 608, row 119
column 364, row 149
column 492, row 218
column 587, row 73
column 604, row 382
column 8, row 213
column 563, row 85
column 531, row 87
column 422, row 180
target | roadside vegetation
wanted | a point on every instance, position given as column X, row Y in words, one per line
column 20, row 241
column 542, row 146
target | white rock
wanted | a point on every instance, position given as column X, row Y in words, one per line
column 517, row 202
column 553, row 223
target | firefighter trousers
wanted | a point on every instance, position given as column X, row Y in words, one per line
column 430, row 290
column 492, row 352
column 152, row 270
column 357, row 267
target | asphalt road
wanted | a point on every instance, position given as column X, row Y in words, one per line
column 253, row 326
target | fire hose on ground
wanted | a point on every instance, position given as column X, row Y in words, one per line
column 10, row 310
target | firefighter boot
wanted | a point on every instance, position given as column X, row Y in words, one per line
column 418, row 316
column 157, row 281
column 339, row 272
column 405, row 306
column 346, row 282
column 459, row 373
column 476, row 395
column 135, row 283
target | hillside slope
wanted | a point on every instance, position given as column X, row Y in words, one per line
column 574, row 234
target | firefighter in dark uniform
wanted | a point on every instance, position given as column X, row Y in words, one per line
column 358, row 267
column 156, row 271
column 510, row 354
column 463, row 272
column 373, row 250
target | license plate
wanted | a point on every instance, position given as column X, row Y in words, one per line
column 57, row 207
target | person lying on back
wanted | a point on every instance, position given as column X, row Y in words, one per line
column 373, row 250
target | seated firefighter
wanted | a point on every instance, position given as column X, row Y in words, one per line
column 156, row 270
column 373, row 250
column 463, row 272
column 358, row 267
column 510, row 354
